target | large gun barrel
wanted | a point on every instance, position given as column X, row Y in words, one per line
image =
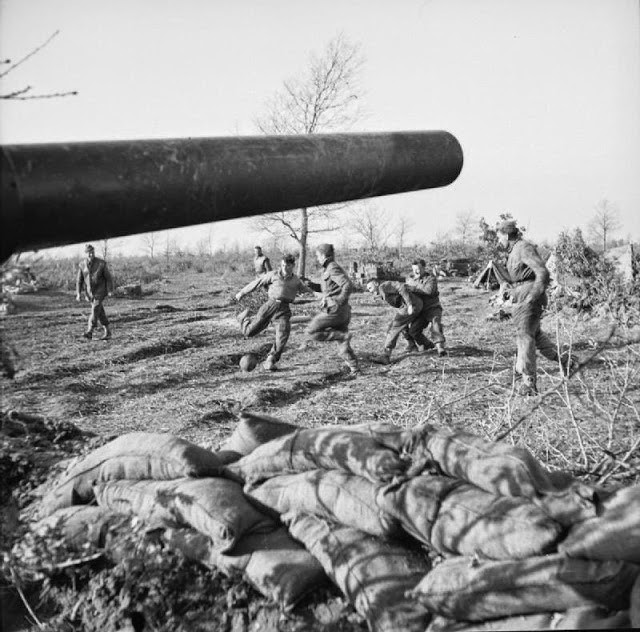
column 61, row 193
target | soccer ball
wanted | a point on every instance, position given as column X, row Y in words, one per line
column 248, row 362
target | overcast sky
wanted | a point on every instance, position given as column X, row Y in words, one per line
column 543, row 95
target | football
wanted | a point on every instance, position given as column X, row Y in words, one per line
column 248, row 362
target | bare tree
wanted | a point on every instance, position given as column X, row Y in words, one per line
column 466, row 224
column 403, row 226
column 605, row 221
column 150, row 243
column 325, row 98
column 372, row 225
column 21, row 93
column 105, row 248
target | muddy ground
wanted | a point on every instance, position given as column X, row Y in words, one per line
column 172, row 366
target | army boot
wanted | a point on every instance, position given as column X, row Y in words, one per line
column 270, row 363
column 440, row 348
column 88, row 334
column 107, row 333
column 528, row 386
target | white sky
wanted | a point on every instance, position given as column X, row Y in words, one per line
column 543, row 95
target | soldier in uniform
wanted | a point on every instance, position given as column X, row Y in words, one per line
column 529, row 278
column 96, row 281
column 407, row 319
column 261, row 263
column 282, row 287
column 425, row 285
column 332, row 322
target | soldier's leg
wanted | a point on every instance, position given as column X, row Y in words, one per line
column 101, row 317
column 434, row 316
column 325, row 326
column 527, row 321
column 282, row 324
column 397, row 326
column 253, row 326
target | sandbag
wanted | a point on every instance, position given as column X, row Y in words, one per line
column 453, row 517
column 472, row 521
column 254, row 430
column 134, row 456
column 374, row 574
column 587, row 618
column 337, row 496
column 466, row 589
column 331, row 448
column 278, row 567
column 634, row 608
column 80, row 526
column 415, row 503
column 496, row 467
column 215, row 507
column 613, row 535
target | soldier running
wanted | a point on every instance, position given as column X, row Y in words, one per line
column 283, row 286
column 426, row 286
column 529, row 281
column 96, row 281
column 332, row 322
column 407, row 319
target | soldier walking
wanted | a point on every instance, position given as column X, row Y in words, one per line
column 96, row 281
column 332, row 322
column 529, row 281
column 283, row 286
column 421, row 282
column 407, row 320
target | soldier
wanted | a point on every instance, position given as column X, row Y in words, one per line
column 261, row 263
column 529, row 278
column 94, row 277
column 407, row 319
column 332, row 322
column 283, row 285
column 426, row 286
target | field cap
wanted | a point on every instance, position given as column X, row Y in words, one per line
column 89, row 248
column 508, row 227
column 325, row 249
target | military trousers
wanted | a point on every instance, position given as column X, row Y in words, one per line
column 333, row 324
column 97, row 315
column 409, row 325
column 526, row 318
column 276, row 312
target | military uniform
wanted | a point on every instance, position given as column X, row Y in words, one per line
column 400, row 296
column 332, row 322
column 425, row 285
column 94, row 277
column 529, row 280
column 261, row 264
column 281, row 291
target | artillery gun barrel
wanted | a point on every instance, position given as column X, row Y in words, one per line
column 61, row 193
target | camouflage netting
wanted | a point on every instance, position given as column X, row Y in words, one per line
column 419, row 529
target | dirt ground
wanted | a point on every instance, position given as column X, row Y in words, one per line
column 172, row 366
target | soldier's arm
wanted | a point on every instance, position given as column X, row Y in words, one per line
column 531, row 258
column 108, row 278
column 267, row 265
column 305, row 288
column 253, row 285
column 404, row 292
column 79, row 281
column 339, row 277
column 314, row 287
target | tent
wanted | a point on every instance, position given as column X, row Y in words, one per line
column 492, row 276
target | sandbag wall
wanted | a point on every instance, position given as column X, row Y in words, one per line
column 421, row 528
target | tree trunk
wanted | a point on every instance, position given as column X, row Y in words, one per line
column 304, row 233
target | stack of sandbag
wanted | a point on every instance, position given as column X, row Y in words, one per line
column 174, row 485
column 371, row 507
